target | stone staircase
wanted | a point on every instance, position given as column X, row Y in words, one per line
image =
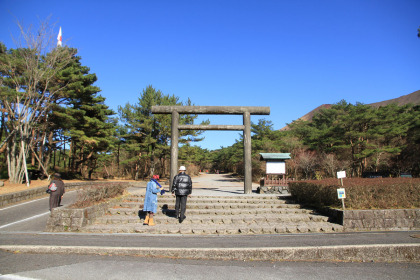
column 238, row 214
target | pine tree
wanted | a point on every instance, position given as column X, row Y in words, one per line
column 78, row 116
column 91, row 129
column 148, row 135
column 26, row 94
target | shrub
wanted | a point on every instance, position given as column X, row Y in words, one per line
column 314, row 194
column 94, row 194
column 193, row 170
column 377, row 193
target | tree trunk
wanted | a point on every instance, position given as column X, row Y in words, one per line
column 118, row 159
column 80, row 165
column 64, row 153
column 16, row 157
column 72, row 156
column 136, row 176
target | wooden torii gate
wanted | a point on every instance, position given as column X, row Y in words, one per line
column 212, row 110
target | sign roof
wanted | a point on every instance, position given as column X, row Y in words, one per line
column 274, row 156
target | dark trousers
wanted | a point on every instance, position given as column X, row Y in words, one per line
column 180, row 205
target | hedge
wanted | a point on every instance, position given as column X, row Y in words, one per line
column 93, row 194
column 375, row 193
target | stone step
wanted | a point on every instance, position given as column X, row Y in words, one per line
column 257, row 228
column 236, row 196
column 191, row 205
column 214, row 219
column 214, row 215
column 118, row 210
column 226, row 200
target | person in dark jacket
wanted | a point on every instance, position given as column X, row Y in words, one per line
column 57, row 191
column 181, row 188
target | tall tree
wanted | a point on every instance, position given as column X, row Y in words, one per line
column 27, row 73
column 91, row 128
column 409, row 158
column 149, row 135
column 362, row 134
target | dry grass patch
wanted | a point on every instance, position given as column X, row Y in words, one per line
column 377, row 193
column 94, row 194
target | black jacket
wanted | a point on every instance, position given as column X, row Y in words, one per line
column 182, row 184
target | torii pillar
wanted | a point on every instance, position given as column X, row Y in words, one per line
column 212, row 110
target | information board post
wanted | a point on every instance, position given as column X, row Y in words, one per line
column 341, row 192
column 342, row 195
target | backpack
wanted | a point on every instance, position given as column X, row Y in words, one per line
column 52, row 187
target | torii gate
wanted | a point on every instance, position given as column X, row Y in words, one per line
column 212, row 110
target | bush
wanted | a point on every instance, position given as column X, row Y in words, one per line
column 314, row 194
column 193, row 170
column 377, row 193
column 94, row 194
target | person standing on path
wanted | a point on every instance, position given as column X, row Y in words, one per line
column 57, row 191
column 182, row 188
column 150, row 200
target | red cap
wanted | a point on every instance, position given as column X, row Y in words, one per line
column 156, row 177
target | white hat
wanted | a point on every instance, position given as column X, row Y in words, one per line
column 182, row 168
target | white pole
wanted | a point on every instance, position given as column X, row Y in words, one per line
column 24, row 164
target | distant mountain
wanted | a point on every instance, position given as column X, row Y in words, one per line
column 413, row 98
column 311, row 114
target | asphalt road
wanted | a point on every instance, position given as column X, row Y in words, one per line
column 194, row 241
column 29, row 216
column 55, row 266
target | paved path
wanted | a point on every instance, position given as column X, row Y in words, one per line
column 213, row 185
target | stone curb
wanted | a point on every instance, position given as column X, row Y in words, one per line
column 345, row 253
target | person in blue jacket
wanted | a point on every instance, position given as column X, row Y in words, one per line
column 150, row 200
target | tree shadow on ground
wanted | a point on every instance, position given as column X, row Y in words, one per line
column 225, row 191
column 229, row 178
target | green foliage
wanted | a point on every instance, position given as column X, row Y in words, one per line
column 146, row 137
column 51, row 97
column 357, row 138
column 264, row 140
column 81, row 116
column 363, row 135
column 194, row 155
column 229, row 159
column 26, row 76
column 409, row 158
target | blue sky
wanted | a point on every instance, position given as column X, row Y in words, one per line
column 289, row 55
